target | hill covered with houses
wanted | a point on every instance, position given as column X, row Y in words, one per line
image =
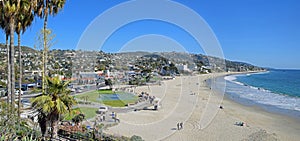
column 72, row 63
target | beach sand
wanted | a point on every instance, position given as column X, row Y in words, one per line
column 185, row 100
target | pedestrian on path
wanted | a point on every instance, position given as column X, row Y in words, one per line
column 181, row 125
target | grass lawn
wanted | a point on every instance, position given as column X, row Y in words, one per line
column 117, row 103
column 93, row 96
column 105, row 92
column 88, row 112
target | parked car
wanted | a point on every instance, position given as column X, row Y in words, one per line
column 78, row 91
column 17, row 92
column 102, row 109
column 72, row 90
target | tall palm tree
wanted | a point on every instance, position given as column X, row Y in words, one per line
column 44, row 8
column 10, row 10
column 24, row 20
column 55, row 103
column 5, row 27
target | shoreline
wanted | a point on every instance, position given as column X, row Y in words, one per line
column 267, row 108
column 161, row 124
column 280, row 122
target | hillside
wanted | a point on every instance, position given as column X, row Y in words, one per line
column 66, row 62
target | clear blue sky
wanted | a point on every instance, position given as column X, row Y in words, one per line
column 262, row 32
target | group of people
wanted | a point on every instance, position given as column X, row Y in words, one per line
column 179, row 125
column 146, row 96
column 113, row 115
column 102, row 118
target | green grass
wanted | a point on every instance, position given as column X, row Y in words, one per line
column 88, row 112
column 155, row 78
column 93, row 96
column 105, row 92
column 117, row 103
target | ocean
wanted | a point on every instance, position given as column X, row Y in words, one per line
column 275, row 90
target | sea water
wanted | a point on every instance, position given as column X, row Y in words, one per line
column 275, row 90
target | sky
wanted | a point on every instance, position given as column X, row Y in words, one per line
column 261, row 32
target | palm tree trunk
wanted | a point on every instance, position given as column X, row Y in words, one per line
column 12, row 62
column 20, row 75
column 8, row 72
column 43, row 74
column 42, row 120
column 45, row 51
column 54, row 126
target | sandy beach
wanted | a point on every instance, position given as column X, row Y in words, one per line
column 187, row 99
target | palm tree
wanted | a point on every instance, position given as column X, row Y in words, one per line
column 10, row 9
column 4, row 26
column 55, row 103
column 44, row 8
column 24, row 20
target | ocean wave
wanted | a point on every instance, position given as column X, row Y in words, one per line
column 232, row 78
column 258, row 88
column 262, row 96
column 263, row 72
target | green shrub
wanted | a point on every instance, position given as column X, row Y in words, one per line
column 136, row 138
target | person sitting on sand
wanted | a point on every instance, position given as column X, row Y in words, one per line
column 221, row 107
column 239, row 123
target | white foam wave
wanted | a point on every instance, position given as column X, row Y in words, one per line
column 263, row 96
column 230, row 77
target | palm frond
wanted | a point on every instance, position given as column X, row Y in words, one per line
column 61, row 107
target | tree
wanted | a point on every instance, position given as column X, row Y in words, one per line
column 78, row 118
column 5, row 27
column 44, row 8
column 23, row 20
column 9, row 10
column 45, row 37
column 108, row 82
column 56, row 102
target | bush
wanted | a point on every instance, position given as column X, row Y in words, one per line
column 136, row 138
column 78, row 118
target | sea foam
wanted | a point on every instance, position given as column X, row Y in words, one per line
column 239, row 90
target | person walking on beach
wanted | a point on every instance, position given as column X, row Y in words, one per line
column 116, row 118
column 181, row 125
column 112, row 115
column 101, row 119
column 178, row 128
